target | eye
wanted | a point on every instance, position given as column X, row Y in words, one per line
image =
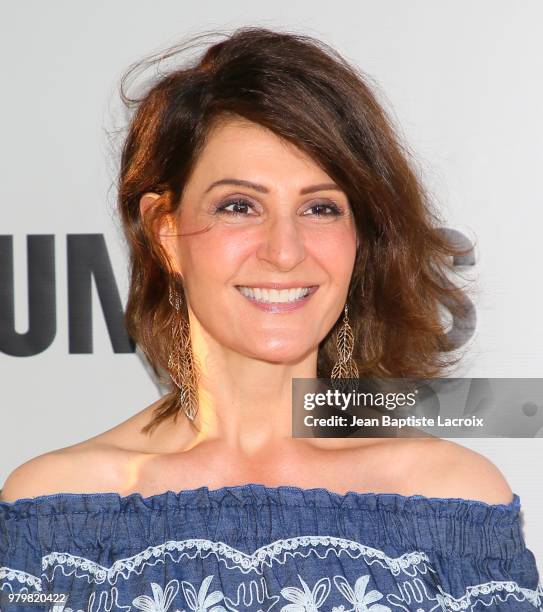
column 335, row 211
column 240, row 205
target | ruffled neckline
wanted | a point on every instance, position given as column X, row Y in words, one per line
column 255, row 493
column 252, row 515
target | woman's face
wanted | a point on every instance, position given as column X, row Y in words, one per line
column 272, row 217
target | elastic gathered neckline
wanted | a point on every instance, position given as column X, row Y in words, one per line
column 252, row 515
column 255, row 493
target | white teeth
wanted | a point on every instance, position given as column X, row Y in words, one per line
column 274, row 295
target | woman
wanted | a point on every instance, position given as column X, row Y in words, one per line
column 271, row 215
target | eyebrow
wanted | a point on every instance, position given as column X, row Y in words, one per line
column 262, row 189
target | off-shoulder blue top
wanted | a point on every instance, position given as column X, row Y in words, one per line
column 257, row 548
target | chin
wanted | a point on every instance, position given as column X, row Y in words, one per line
column 281, row 352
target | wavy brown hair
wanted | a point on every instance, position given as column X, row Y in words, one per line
column 306, row 93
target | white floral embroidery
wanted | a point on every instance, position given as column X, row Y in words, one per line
column 413, row 575
column 202, row 602
column 499, row 591
column 7, row 573
column 161, row 600
column 102, row 605
column 412, row 592
column 252, row 594
column 304, row 599
column 358, row 596
column 277, row 552
column 61, row 608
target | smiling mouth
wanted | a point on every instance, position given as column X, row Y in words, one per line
column 276, row 296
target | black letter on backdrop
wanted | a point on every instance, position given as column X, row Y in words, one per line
column 88, row 257
column 463, row 327
column 42, row 314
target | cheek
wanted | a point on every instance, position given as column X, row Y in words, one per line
column 335, row 251
column 215, row 254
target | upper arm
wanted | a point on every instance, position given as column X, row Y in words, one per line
column 453, row 470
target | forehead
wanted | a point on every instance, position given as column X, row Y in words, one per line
column 226, row 130
column 241, row 146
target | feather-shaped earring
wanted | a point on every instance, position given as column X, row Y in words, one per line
column 345, row 366
column 181, row 362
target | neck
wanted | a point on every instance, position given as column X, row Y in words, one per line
column 244, row 402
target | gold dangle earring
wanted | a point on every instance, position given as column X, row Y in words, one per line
column 345, row 366
column 181, row 363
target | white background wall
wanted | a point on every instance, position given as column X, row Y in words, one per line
column 462, row 78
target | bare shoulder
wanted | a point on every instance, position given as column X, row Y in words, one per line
column 441, row 468
column 103, row 463
column 79, row 468
column 37, row 476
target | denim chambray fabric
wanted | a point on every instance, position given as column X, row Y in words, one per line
column 252, row 547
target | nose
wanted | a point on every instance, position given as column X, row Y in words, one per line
column 282, row 243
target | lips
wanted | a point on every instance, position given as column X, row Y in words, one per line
column 279, row 286
column 274, row 296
